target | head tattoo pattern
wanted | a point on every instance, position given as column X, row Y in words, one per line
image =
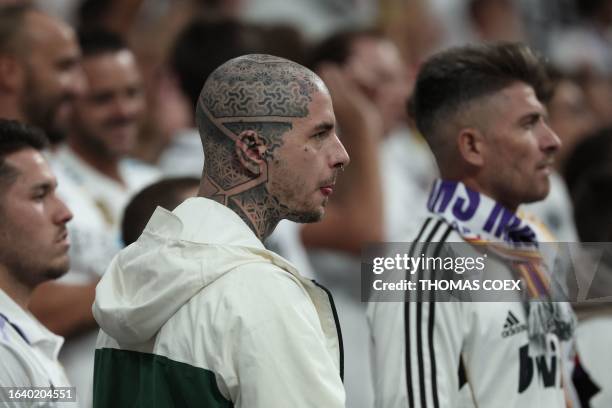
column 258, row 93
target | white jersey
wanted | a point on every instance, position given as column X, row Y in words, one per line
column 450, row 354
column 28, row 356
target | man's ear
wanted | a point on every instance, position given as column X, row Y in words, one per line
column 250, row 149
column 472, row 146
column 11, row 73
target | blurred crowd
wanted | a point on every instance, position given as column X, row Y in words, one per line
column 114, row 84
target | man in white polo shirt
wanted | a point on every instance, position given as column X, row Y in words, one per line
column 33, row 249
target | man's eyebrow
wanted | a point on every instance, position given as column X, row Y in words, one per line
column 323, row 126
column 532, row 116
column 45, row 185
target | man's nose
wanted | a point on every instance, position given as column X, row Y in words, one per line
column 62, row 213
column 340, row 156
column 549, row 141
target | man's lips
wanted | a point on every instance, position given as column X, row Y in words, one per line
column 63, row 239
column 327, row 190
column 546, row 166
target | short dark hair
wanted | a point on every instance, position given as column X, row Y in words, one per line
column 337, row 47
column 204, row 45
column 166, row 193
column 451, row 79
column 98, row 41
column 16, row 136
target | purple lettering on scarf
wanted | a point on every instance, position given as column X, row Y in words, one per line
column 490, row 223
column 445, row 193
column 506, row 218
column 433, row 196
column 474, row 200
column 511, row 227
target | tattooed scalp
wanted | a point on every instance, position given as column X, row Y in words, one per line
column 259, row 93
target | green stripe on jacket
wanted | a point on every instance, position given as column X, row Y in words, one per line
column 124, row 378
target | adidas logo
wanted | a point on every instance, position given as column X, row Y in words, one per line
column 512, row 326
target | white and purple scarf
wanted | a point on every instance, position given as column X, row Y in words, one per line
column 480, row 220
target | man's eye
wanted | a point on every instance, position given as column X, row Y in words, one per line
column 320, row 135
column 532, row 121
column 39, row 195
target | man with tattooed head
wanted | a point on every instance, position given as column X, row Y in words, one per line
column 197, row 310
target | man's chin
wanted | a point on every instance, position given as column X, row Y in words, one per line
column 306, row 217
column 539, row 196
column 58, row 270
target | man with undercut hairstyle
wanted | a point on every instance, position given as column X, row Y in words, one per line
column 481, row 111
column 197, row 311
column 33, row 249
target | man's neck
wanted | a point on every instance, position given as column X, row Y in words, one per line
column 473, row 184
column 105, row 164
column 254, row 205
column 17, row 291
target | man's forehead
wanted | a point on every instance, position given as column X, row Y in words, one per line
column 102, row 69
column 30, row 164
column 517, row 95
column 320, row 110
column 521, row 96
column 123, row 57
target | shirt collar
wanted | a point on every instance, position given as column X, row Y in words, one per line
column 36, row 335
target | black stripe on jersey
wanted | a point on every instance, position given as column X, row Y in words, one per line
column 419, row 318
column 430, row 324
column 407, row 321
column 432, row 236
column 512, row 317
column 461, row 374
column 338, row 328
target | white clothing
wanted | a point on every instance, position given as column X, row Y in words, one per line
column 184, row 155
column 200, row 292
column 28, row 353
column 419, row 347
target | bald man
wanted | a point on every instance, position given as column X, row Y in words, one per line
column 197, row 311
column 39, row 69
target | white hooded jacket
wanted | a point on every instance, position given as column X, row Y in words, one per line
column 198, row 313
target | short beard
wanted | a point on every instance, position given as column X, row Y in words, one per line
column 306, row 217
column 39, row 114
column 29, row 276
column 55, row 272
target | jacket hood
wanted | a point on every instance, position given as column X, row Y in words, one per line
column 178, row 254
